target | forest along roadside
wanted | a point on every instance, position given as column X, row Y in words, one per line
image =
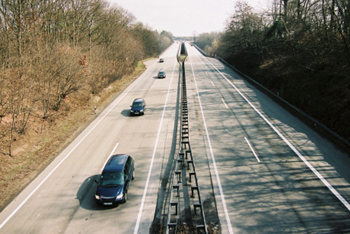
column 35, row 149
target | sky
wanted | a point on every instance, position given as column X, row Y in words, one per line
column 184, row 17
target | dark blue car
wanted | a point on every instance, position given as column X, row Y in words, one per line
column 114, row 181
column 138, row 107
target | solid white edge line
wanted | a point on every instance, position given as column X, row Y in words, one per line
column 67, row 155
column 251, row 148
column 324, row 181
column 228, row 221
column 138, row 221
column 115, row 147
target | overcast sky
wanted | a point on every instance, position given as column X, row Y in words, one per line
column 184, row 17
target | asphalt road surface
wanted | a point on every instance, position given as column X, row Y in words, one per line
column 61, row 199
column 271, row 173
column 260, row 169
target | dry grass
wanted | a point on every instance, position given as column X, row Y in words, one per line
column 45, row 139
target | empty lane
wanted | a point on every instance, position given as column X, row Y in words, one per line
column 281, row 192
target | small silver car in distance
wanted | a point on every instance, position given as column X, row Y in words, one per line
column 161, row 74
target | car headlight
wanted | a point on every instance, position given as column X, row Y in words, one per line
column 141, row 110
column 97, row 197
column 120, row 196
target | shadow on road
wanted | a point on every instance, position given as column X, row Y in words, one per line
column 126, row 112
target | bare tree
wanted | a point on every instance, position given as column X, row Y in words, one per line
column 51, row 50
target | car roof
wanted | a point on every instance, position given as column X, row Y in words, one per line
column 138, row 100
column 116, row 163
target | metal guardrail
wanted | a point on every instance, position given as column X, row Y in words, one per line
column 184, row 174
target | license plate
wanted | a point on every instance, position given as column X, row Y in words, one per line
column 108, row 203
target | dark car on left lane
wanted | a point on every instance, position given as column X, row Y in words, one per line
column 138, row 107
column 114, row 181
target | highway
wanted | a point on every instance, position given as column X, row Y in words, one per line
column 267, row 166
column 260, row 169
column 61, row 199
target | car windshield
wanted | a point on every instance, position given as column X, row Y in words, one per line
column 137, row 104
column 111, row 179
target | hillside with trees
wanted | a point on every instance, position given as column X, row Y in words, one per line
column 298, row 49
column 58, row 60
